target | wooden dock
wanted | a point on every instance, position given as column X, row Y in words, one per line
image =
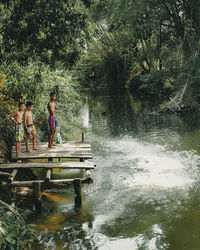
column 70, row 155
column 77, row 150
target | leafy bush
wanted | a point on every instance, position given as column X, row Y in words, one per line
column 14, row 232
column 190, row 74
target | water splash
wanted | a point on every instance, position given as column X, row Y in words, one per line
column 150, row 165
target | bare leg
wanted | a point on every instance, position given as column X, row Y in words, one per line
column 17, row 149
column 50, row 138
column 54, row 132
column 27, row 143
column 34, row 140
column 20, row 152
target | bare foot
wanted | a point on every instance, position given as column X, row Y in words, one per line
column 54, row 145
column 28, row 150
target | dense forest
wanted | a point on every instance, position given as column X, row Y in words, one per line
column 150, row 48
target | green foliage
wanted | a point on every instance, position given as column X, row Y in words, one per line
column 34, row 83
column 15, row 233
column 108, row 58
column 155, row 45
column 190, row 74
column 154, row 83
column 49, row 31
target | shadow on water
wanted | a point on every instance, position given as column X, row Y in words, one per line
column 146, row 191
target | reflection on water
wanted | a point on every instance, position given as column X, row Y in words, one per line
column 55, row 197
column 146, row 191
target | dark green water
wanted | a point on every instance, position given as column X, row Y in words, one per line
column 146, row 190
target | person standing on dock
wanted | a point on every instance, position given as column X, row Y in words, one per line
column 17, row 119
column 29, row 126
column 53, row 123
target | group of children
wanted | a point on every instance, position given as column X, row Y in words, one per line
column 19, row 117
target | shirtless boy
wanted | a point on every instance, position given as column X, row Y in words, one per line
column 17, row 119
column 29, row 126
column 53, row 123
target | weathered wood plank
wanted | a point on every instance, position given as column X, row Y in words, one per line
column 53, row 155
column 51, row 165
column 60, row 147
column 66, row 150
column 53, row 182
column 5, row 174
column 64, row 145
column 60, row 150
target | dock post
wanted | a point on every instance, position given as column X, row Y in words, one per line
column 82, row 137
column 77, row 193
column 37, row 196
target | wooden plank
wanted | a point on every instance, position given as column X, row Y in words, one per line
column 60, row 150
column 53, row 182
column 60, row 147
column 51, row 165
column 72, row 143
column 64, row 145
column 66, row 150
column 53, row 155
column 4, row 174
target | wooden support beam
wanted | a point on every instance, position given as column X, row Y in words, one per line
column 47, row 165
column 4, row 177
column 48, row 175
column 37, row 196
column 88, row 173
column 82, row 137
column 13, row 175
column 77, row 193
column 59, row 182
column 5, row 174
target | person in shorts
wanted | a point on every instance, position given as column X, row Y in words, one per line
column 17, row 117
column 53, row 123
column 29, row 126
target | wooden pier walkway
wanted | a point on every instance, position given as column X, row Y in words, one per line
column 70, row 155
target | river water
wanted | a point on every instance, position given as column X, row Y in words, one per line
column 146, row 190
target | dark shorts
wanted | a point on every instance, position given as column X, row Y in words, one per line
column 53, row 123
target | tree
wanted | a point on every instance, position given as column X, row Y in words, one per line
column 48, row 31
